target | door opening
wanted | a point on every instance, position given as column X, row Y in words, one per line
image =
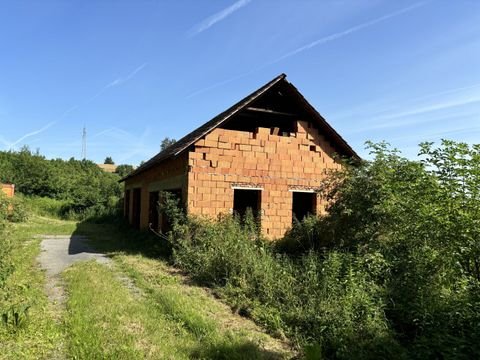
column 126, row 203
column 153, row 210
column 165, row 225
column 137, row 206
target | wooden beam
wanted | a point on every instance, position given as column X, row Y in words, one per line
column 268, row 111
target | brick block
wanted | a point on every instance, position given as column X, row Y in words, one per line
column 222, row 145
column 211, row 143
column 202, row 163
column 261, row 130
column 301, row 127
column 224, row 139
column 226, row 158
column 196, row 155
column 213, row 136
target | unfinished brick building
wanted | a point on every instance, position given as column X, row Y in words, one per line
column 268, row 152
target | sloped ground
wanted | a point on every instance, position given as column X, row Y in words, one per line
column 124, row 306
column 59, row 252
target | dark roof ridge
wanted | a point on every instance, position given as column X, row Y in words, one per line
column 184, row 143
column 192, row 137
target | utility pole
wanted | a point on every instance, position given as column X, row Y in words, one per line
column 84, row 143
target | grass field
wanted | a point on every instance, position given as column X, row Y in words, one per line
column 135, row 307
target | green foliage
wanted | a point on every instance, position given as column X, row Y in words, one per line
column 325, row 300
column 15, row 317
column 4, row 210
column 18, row 210
column 166, row 142
column 28, row 326
column 44, row 206
column 123, row 170
column 11, row 210
column 80, row 185
column 393, row 270
column 108, row 160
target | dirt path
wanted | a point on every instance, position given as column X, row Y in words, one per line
column 58, row 253
column 155, row 278
column 61, row 251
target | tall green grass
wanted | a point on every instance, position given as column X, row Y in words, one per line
column 327, row 303
column 63, row 209
column 28, row 329
column 392, row 271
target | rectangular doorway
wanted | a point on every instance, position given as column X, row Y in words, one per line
column 126, row 203
column 304, row 204
column 136, row 208
column 153, row 210
column 165, row 225
column 244, row 199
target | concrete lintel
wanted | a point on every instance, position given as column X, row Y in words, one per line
column 174, row 182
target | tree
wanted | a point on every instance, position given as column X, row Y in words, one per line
column 123, row 170
column 166, row 143
column 109, row 161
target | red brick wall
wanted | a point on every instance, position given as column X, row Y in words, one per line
column 277, row 164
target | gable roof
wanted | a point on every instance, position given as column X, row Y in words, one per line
column 184, row 143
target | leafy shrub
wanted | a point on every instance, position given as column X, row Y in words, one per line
column 18, row 210
column 4, row 209
column 327, row 300
column 392, row 271
column 45, row 206
column 80, row 186
column 6, row 266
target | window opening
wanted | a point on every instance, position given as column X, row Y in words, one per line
column 244, row 199
column 304, row 204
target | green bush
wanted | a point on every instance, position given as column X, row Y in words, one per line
column 80, row 187
column 4, row 208
column 315, row 299
column 45, row 206
column 393, row 270
column 5, row 244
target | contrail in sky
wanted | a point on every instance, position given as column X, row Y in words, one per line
column 219, row 16
column 349, row 31
column 308, row 46
column 115, row 82
column 32, row 133
column 118, row 81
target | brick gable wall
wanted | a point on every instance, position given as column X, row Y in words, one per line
column 277, row 164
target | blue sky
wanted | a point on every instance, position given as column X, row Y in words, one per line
column 135, row 72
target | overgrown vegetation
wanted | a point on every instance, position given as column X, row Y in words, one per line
column 166, row 320
column 393, row 270
column 12, row 210
column 80, row 187
column 28, row 329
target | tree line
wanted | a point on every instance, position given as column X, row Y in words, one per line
column 80, row 184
